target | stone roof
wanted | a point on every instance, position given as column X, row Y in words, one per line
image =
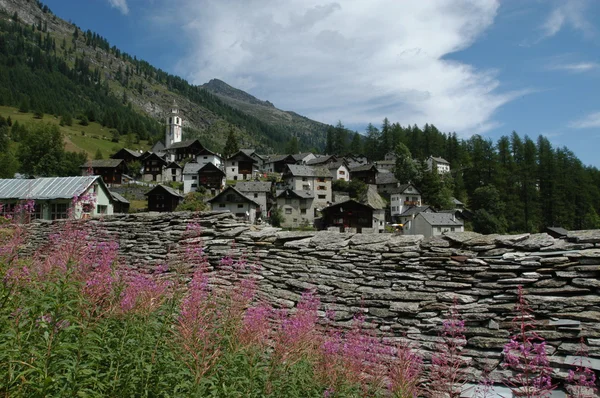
column 300, row 156
column 298, row 193
column 439, row 160
column 183, row 144
column 322, row 159
column 364, row 167
column 336, row 165
column 118, row 197
column 129, row 151
column 414, row 210
column 403, row 188
column 307, row 171
column 191, row 168
column 253, row 186
column 102, row 163
column 230, row 188
column 167, row 189
column 386, row 178
column 441, row 219
column 371, row 198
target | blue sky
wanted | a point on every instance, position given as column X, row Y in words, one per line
column 470, row 66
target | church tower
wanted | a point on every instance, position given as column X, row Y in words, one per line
column 174, row 126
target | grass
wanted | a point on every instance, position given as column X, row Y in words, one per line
column 78, row 138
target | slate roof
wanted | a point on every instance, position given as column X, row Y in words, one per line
column 307, row 171
column 191, row 168
column 253, row 186
column 372, row 198
column 365, row 167
column 403, row 188
column 441, row 219
column 279, row 158
column 46, row 188
column 414, row 210
column 440, row 160
column 102, row 163
column 129, row 151
column 158, row 147
column 298, row 193
column 166, row 188
column 230, row 188
column 457, row 202
column 117, row 197
column 335, row 165
column 183, row 144
column 321, row 159
column 300, row 156
column 210, row 165
column 386, row 178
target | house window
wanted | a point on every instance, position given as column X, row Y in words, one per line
column 295, row 220
column 304, row 179
column 321, row 179
column 322, row 196
column 206, row 157
column 451, row 229
column 233, row 169
column 221, row 204
column 173, row 171
column 194, row 185
column 174, row 178
column 194, row 177
column 303, row 211
column 288, row 201
column 59, row 211
column 256, row 195
column 342, row 173
column 102, row 209
column 439, row 229
column 233, row 164
column 37, row 212
column 240, row 205
column 235, row 178
column 321, row 188
column 288, row 211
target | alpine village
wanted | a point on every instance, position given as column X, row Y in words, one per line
column 92, row 134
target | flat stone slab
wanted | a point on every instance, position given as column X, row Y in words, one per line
column 584, row 236
column 591, row 363
column 461, row 237
column 293, row 235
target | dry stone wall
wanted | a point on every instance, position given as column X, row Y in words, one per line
column 404, row 284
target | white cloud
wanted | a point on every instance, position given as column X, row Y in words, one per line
column 358, row 61
column 576, row 67
column 591, row 120
column 121, row 5
column 570, row 13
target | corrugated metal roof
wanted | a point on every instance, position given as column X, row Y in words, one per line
column 46, row 188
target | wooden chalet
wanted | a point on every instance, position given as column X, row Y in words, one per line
column 153, row 167
column 120, row 204
column 111, row 170
column 127, row 155
column 348, row 215
column 211, row 177
column 277, row 163
column 366, row 173
column 185, row 149
column 162, row 198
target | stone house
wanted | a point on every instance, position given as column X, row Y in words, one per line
column 172, row 172
column 207, row 156
column 260, row 192
column 162, row 198
column 297, row 207
column 408, row 216
column 302, row 158
column 232, row 200
column 305, row 178
column 339, row 170
column 153, row 167
column 205, row 175
column 402, row 198
column 260, row 159
column 53, row 197
column 435, row 224
column 441, row 165
column 179, row 151
column 240, row 166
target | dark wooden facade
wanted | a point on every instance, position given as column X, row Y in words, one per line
column 127, row 155
column 111, row 170
column 366, row 174
column 280, row 163
column 211, row 177
column 185, row 149
column 163, row 199
column 153, row 167
column 348, row 214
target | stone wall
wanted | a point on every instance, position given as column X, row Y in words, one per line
column 404, row 284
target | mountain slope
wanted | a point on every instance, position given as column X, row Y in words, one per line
column 54, row 46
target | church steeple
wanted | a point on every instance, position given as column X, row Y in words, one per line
column 174, row 126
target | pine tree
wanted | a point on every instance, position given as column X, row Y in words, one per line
column 98, row 155
column 356, row 145
column 231, row 145
column 292, row 146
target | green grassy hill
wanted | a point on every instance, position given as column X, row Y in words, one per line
column 78, row 138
